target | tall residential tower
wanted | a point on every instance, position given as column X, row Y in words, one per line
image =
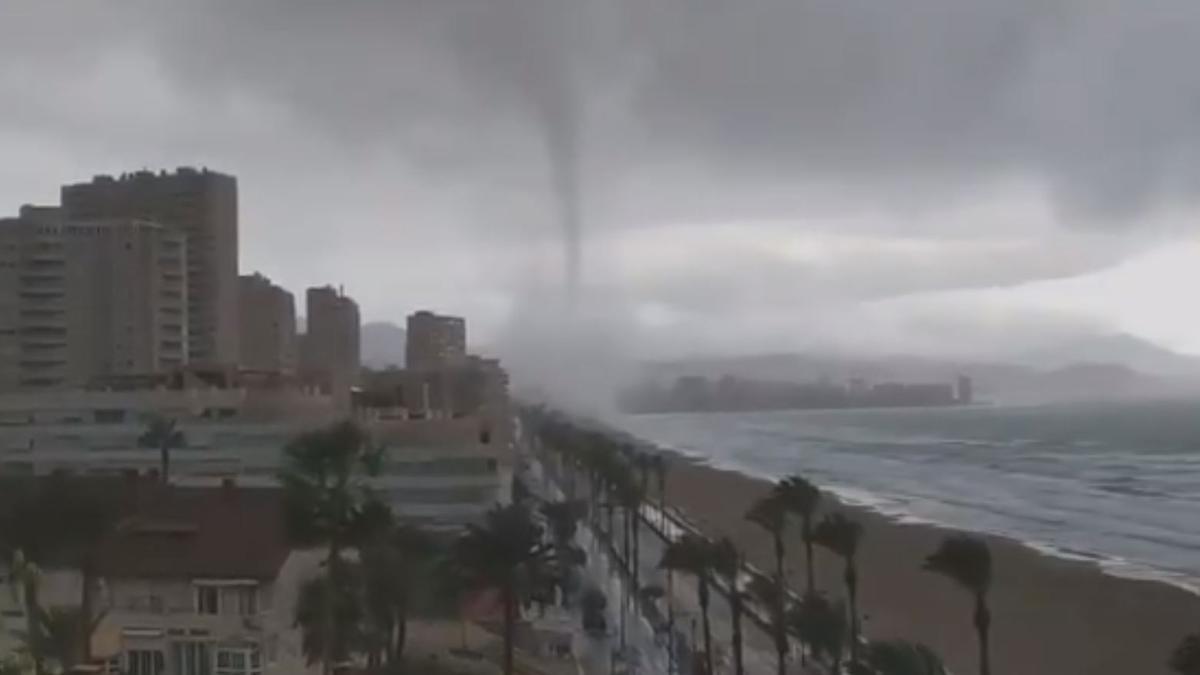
column 267, row 319
column 435, row 341
column 80, row 299
column 203, row 205
column 330, row 351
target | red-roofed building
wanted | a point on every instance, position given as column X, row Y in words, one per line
column 194, row 581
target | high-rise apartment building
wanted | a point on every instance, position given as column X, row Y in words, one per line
column 267, row 321
column 81, row 299
column 435, row 341
column 203, row 205
column 331, row 350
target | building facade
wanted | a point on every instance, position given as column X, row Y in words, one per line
column 435, row 341
column 331, row 352
column 81, row 299
column 195, row 581
column 203, row 205
column 267, row 322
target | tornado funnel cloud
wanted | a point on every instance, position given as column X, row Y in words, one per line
column 562, row 149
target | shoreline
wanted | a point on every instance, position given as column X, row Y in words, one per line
column 1053, row 614
column 1106, row 564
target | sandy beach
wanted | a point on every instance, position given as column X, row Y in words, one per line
column 1050, row 616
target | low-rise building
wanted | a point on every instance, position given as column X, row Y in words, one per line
column 193, row 581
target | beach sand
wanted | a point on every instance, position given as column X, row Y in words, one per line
column 1050, row 616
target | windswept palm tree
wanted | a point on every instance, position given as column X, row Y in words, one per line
column 328, row 504
column 392, row 565
column 62, row 521
column 505, row 554
column 900, row 657
column 162, row 434
column 16, row 664
column 768, row 513
column 562, row 518
column 727, row 562
column 629, row 495
column 692, row 554
column 323, row 640
column 967, row 561
column 802, row 498
column 822, row 625
column 768, row 594
column 25, row 579
column 660, row 467
column 1185, row 660
column 840, row 535
column 60, row 631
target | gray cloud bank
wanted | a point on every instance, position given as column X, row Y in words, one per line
column 435, row 151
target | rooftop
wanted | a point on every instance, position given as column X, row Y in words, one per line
column 198, row 532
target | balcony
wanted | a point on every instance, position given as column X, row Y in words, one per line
column 186, row 621
column 35, row 364
column 39, row 382
column 41, row 312
column 41, row 293
column 41, row 278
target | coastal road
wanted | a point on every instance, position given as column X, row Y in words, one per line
column 635, row 652
column 758, row 652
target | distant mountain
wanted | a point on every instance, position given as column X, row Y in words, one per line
column 1117, row 349
column 383, row 344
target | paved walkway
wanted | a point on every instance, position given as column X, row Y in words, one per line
column 631, row 646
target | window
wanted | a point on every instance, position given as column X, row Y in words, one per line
column 144, row 662
column 191, row 658
column 239, row 660
column 240, row 600
column 207, row 600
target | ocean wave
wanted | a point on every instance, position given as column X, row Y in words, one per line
column 1103, row 487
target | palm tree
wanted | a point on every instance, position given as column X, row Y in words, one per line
column 163, row 435
column 60, row 631
column 727, row 562
column 25, row 578
column 323, row 640
column 769, row 513
column 563, row 519
column 658, row 464
column 506, row 554
column 61, row 521
column 16, row 664
column 1185, row 660
column 802, row 498
column 899, row 657
column 327, row 503
column 392, row 566
column 841, row 536
column 768, row 594
column 967, row 561
column 822, row 625
column 629, row 495
column 692, row 554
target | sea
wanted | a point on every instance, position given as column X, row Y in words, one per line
column 1115, row 484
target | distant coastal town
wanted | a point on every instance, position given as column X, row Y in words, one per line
column 696, row 393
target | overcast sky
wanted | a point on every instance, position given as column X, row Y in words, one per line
column 962, row 176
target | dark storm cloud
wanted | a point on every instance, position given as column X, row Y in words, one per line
column 1095, row 99
column 498, row 125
